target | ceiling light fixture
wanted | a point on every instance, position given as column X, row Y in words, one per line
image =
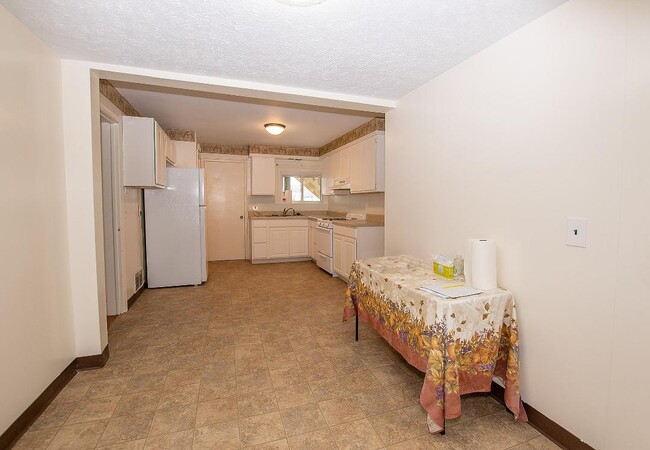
column 301, row 2
column 274, row 128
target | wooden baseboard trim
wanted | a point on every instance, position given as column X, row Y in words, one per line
column 134, row 298
column 92, row 361
column 33, row 411
column 544, row 425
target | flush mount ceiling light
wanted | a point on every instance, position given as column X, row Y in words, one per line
column 274, row 128
column 301, row 2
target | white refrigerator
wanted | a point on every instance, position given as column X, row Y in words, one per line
column 175, row 230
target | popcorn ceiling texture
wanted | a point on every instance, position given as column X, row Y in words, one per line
column 381, row 49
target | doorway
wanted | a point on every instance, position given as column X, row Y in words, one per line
column 225, row 195
column 111, row 217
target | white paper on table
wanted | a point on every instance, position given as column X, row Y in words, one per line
column 449, row 289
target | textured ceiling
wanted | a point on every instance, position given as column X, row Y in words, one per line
column 218, row 121
column 376, row 48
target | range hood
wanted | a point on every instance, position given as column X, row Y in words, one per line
column 341, row 184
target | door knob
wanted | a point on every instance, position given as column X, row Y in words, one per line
column 241, row 217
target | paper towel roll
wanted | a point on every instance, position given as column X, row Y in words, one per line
column 481, row 259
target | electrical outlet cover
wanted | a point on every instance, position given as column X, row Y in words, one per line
column 576, row 232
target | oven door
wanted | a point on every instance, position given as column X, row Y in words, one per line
column 323, row 238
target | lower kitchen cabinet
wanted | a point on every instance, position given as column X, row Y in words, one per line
column 351, row 244
column 259, row 239
column 279, row 239
column 313, row 253
column 298, row 242
column 278, row 243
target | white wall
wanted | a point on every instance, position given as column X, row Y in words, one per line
column 83, row 182
column 36, row 333
column 550, row 122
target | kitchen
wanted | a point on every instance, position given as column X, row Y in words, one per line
column 321, row 168
column 503, row 119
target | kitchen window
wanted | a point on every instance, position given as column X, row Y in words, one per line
column 304, row 188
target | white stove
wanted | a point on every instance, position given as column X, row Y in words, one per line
column 328, row 222
column 324, row 239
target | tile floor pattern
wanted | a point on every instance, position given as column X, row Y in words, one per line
column 257, row 357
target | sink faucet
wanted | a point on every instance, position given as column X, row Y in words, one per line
column 285, row 212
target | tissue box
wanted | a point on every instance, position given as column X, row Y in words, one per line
column 443, row 266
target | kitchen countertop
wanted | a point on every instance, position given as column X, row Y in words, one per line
column 277, row 217
column 358, row 223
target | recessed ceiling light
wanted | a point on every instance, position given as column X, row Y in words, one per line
column 274, row 128
column 301, row 2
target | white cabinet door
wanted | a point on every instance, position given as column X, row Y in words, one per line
column 143, row 153
column 298, row 242
column 160, row 157
column 260, row 246
column 367, row 165
column 310, row 243
column 262, row 175
column 328, row 174
column 344, row 164
column 357, row 169
column 338, row 253
column 278, row 242
column 349, row 255
column 335, row 166
column 170, row 151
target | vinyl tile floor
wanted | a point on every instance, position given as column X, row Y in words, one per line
column 258, row 357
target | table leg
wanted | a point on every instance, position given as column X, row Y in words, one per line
column 356, row 327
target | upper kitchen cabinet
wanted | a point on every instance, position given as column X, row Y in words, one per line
column 170, row 148
column 262, row 175
column 186, row 154
column 343, row 173
column 359, row 166
column 367, row 164
column 328, row 174
column 145, row 148
column 336, row 170
column 340, row 167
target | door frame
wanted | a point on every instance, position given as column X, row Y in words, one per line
column 115, row 121
column 218, row 157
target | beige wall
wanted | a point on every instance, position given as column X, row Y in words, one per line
column 357, row 203
column 628, row 391
column 550, row 122
column 36, row 333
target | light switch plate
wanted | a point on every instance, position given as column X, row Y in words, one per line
column 576, row 232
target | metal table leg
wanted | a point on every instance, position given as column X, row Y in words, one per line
column 356, row 327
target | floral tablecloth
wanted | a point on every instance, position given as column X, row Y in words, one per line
column 461, row 344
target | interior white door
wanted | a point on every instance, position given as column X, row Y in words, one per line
column 225, row 195
column 110, row 268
